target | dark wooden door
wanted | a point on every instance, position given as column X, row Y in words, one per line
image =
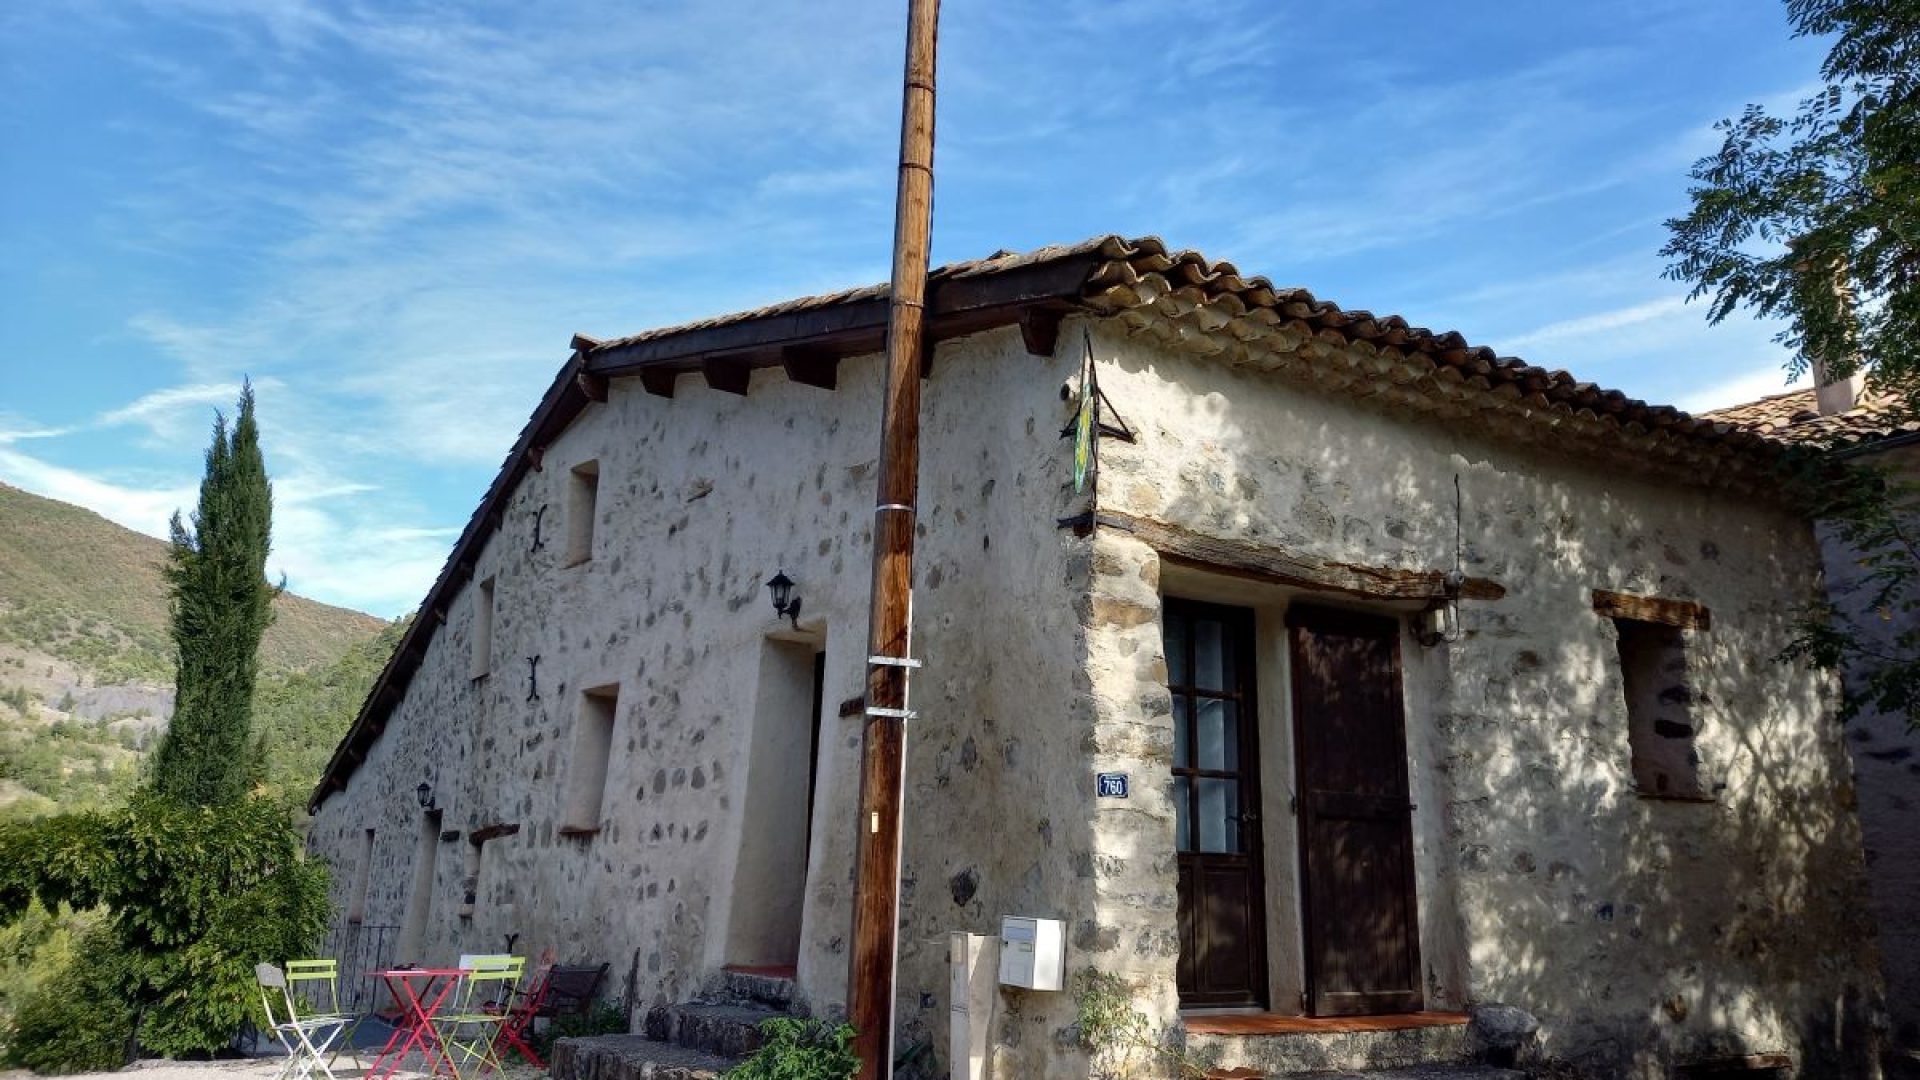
column 1356, row 824
column 1216, row 770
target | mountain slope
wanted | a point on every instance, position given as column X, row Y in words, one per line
column 70, row 579
column 86, row 665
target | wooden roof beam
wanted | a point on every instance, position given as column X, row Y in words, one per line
column 658, row 381
column 810, row 366
column 727, row 374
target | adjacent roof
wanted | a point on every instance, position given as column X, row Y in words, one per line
column 1178, row 297
column 1794, row 419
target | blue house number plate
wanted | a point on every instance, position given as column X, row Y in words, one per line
column 1113, row 785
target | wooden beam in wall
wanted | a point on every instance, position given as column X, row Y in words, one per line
column 594, row 387
column 1040, row 330
column 728, row 375
column 493, row 832
column 810, row 366
column 1284, row 566
column 658, row 381
column 1684, row 614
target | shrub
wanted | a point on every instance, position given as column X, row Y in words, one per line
column 79, row 1018
column 603, row 1018
column 194, row 898
column 801, row 1050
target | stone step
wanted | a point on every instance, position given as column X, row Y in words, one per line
column 1412, row 1073
column 753, row 987
column 1335, row 1053
column 632, row 1057
column 714, row 1028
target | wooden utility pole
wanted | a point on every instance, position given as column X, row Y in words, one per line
column 876, row 892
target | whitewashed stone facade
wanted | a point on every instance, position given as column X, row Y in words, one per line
column 1640, row 932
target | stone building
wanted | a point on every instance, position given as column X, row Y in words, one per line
column 1842, row 419
column 1438, row 680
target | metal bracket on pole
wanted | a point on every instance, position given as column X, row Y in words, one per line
column 893, row 661
column 899, row 507
column 891, row 714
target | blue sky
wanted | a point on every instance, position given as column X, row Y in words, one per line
column 393, row 215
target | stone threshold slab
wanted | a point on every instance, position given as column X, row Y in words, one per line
column 1276, row 1024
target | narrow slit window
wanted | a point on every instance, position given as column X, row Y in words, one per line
column 583, row 496
column 483, row 628
column 587, row 771
column 362, row 880
column 1662, row 720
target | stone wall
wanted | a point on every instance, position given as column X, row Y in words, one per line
column 1641, row 931
column 1886, row 758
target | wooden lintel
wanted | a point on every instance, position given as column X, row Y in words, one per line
column 593, row 387
column 1040, row 330
column 1283, row 566
column 491, row 832
column 658, row 381
column 727, row 375
column 1684, row 614
column 810, row 367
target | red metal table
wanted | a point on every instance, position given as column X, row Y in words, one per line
column 420, row 992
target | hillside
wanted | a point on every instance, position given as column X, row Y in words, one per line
column 86, row 665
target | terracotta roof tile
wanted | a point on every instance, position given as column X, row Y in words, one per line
column 1793, row 419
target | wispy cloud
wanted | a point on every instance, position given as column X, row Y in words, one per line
column 1597, row 323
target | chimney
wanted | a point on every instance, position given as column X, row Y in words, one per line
column 1835, row 395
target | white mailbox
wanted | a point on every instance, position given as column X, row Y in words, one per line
column 1033, row 953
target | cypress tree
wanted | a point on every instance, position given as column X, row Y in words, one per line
column 221, row 604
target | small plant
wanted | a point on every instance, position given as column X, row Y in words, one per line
column 1113, row 1031
column 801, row 1050
column 603, row 1018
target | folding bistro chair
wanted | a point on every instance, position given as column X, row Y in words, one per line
column 481, row 1003
column 306, row 1040
column 313, row 986
column 559, row 990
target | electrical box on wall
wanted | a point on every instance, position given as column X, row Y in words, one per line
column 1033, row 953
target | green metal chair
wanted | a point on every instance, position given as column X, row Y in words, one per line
column 307, row 1038
column 471, row 1023
column 313, row 988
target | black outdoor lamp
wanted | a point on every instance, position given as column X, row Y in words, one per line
column 425, row 794
column 784, row 602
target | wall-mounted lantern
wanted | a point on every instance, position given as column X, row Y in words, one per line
column 424, row 793
column 785, row 604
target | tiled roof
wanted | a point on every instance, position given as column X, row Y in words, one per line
column 1176, row 296
column 1793, row 418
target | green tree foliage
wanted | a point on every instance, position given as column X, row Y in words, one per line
column 300, row 716
column 192, row 897
column 1873, row 638
column 1815, row 218
column 221, row 606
